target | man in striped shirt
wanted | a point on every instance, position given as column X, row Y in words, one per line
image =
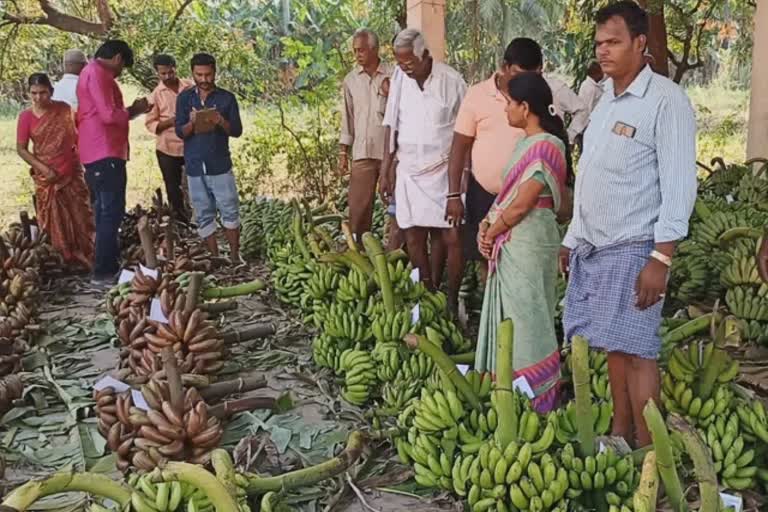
column 635, row 191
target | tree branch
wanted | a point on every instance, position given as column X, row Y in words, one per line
column 55, row 18
column 178, row 14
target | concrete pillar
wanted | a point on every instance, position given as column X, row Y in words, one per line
column 757, row 138
column 429, row 17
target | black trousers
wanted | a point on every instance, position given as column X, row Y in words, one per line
column 172, row 168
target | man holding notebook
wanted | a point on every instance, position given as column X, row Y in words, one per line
column 206, row 117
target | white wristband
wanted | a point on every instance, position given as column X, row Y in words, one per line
column 666, row 260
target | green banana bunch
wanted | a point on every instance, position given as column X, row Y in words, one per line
column 709, row 231
column 354, row 287
column 752, row 189
column 754, row 421
column 149, row 496
column 677, row 396
column 359, row 376
column 602, row 413
column 603, row 475
column 418, row 366
column 348, row 325
column 741, row 271
column 397, row 394
column 447, row 335
column 389, row 356
column 389, row 327
column 437, row 411
column 598, row 370
column 748, row 302
column 209, row 281
column 756, row 331
column 326, row 351
column 481, row 383
column 733, row 455
column 323, row 283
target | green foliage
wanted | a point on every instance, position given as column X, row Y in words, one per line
column 290, row 150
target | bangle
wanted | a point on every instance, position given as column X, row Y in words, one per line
column 504, row 221
column 663, row 258
column 453, row 195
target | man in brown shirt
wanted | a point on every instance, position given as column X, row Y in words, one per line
column 365, row 98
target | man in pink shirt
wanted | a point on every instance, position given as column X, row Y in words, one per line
column 160, row 121
column 481, row 129
column 103, row 143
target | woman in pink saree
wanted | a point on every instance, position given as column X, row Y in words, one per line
column 62, row 197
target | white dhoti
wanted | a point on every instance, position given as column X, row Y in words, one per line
column 420, row 194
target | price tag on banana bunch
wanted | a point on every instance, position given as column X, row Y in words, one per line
column 34, row 232
column 601, row 448
column 415, row 314
column 148, row 271
column 111, row 382
column 415, row 277
column 126, row 276
column 138, row 400
column 521, row 384
column 734, row 502
column 463, row 368
column 729, row 199
column 156, row 312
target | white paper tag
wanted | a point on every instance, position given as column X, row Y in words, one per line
column 126, row 276
column 415, row 314
column 34, row 232
column 148, row 271
column 415, row 277
column 111, row 382
column 729, row 199
column 601, row 448
column 463, row 368
column 138, row 400
column 729, row 500
column 521, row 384
column 156, row 312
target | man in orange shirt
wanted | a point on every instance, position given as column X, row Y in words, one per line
column 482, row 129
column 160, row 121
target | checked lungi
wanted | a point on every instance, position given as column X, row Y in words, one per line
column 600, row 300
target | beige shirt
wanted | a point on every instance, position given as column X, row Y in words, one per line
column 163, row 102
column 568, row 102
column 363, row 112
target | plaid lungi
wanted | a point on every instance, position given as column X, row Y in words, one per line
column 600, row 300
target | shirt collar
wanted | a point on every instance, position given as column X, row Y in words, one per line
column 183, row 85
column 379, row 70
column 489, row 86
column 639, row 85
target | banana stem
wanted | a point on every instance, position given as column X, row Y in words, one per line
column 349, row 237
column 360, row 262
column 396, row 255
column 379, row 259
column 99, row 485
column 298, row 235
column 465, row 358
column 445, row 364
column 702, row 463
column 242, row 385
column 230, row 407
column 312, row 475
column 218, row 307
column 665, row 459
column 324, row 219
column 736, row 233
column 644, row 499
column 583, row 395
column 716, row 365
column 193, row 291
column 249, row 333
column 147, row 245
column 225, row 292
column 201, row 479
column 688, row 329
column 175, row 387
column 506, row 431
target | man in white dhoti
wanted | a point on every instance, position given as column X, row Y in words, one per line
column 421, row 111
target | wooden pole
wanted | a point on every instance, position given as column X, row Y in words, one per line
column 757, row 135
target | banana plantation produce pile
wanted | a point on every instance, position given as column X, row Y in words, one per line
column 397, row 370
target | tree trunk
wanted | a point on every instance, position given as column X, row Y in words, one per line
column 55, row 18
column 657, row 35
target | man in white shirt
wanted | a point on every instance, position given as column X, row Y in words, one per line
column 421, row 111
column 592, row 88
column 65, row 89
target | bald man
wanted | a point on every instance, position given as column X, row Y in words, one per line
column 65, row 89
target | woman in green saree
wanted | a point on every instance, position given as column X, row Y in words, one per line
column 520, row 239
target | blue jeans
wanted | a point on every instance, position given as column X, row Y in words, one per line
column 107, row 180
column 209, row 193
